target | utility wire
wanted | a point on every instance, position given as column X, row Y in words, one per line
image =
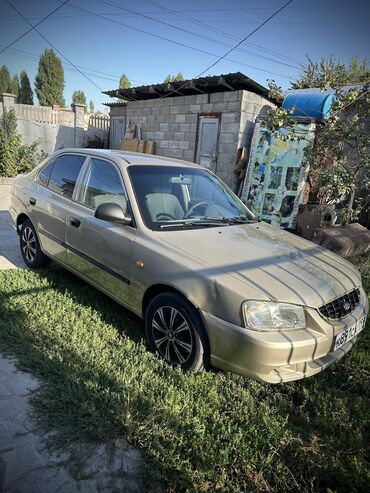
column 32, row 27
column 219, row 31
column 231, row 49
column 202, row 36
column 53, row 46
column 95, row 14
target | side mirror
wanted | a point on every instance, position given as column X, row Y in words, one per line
column 113, row 213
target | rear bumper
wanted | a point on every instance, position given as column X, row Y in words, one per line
column 284, row 356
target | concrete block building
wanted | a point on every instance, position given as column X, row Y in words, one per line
column 203, row 120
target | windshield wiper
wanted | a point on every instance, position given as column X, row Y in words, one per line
column 215, row 221
column 231, row 220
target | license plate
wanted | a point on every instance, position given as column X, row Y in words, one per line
column 347, row 334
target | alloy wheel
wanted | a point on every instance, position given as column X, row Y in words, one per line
column 172, row 335
column 29, row 244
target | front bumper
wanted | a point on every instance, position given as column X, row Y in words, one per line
column 279, row 356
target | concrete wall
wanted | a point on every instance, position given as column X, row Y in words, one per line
column 56, row 127
column 173, row 122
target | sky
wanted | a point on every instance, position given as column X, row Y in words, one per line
column 149, row 39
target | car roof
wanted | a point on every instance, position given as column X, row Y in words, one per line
column 130, row 158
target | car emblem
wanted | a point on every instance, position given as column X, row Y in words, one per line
column 346, row 306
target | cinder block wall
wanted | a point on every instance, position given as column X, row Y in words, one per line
column 172, row 123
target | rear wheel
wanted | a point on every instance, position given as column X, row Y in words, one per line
column 174, row 331
column 30, row 247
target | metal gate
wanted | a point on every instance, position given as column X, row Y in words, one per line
column 206, row 154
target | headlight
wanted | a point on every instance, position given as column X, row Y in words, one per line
column 268, row 315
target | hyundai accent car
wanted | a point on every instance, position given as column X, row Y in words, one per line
column 170, row 242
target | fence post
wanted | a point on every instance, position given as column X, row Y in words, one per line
column 79, row 110
column 8, row 100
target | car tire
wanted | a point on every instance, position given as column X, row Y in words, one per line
column 174, row 330
column 31, row 251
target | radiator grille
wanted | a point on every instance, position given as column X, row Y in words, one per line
column 342, row 306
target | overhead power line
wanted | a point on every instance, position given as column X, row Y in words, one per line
column 32, row 27
column 234, row 48
column 202, row 36
column 53, row 46
column 164, row 38
column 220, row 31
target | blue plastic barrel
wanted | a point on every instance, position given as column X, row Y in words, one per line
column 309, row 104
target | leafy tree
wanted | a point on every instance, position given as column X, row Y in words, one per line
column 124, row 82
column 15, row 157
column 25, row 91
column 5, row 80
column 14, row 87
column 331, row 72
column 78, row 97
column 91, row 106
column 49, row 82
column 174, row 78
column 340, row 156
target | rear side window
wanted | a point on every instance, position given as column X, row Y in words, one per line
column 64, row 174
column 44, row 174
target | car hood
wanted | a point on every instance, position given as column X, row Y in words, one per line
column 282, row 266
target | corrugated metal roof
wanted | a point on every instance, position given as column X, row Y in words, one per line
column 202, row 85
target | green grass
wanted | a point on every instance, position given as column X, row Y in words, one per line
column 206, row 432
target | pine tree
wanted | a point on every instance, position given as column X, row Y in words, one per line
column 49, row 82
column 78, row 97
column 14, row 86
column 25, row 91
column 5, row 80
column 91, row 106
column 124, row 83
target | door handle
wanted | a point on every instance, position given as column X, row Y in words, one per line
column 32, row 201
column 74, row 222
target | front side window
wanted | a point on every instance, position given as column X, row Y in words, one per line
column 170, row 196
column 64, row 174
column 102, row 184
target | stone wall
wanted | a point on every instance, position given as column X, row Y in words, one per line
column 173, row 124
column 57, row 128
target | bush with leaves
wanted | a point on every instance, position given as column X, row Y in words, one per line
column 15, row 157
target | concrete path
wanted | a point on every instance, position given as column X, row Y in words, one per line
column 26, row 465
column 10, row 254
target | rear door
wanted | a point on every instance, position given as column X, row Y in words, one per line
column 50, row 199
column 100, row 250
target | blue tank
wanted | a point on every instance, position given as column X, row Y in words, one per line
column 310, row 104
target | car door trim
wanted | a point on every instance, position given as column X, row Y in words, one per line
column 86, row 257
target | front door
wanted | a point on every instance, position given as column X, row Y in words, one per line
column 118, row 130
column 100, row 250
column 206, row 154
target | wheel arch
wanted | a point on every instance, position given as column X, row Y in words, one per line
column 23, row 217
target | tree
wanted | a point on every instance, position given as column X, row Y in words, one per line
column 15, row 157
column 25, row 91
column 331, row 72
column 5, row 80
column 49, row 82
column 78, row 97
column 124, row 82
column 340, row 156
column 14, row 86
column 91, row 106
column 174, row 78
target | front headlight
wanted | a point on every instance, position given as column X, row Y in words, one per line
column 268, row 315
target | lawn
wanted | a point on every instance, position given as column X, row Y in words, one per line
column 206, row 432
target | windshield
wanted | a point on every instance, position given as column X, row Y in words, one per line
column 180, row 197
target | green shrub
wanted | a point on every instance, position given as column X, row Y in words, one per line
column 15, row 157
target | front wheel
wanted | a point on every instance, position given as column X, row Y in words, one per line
column 30, row 247
column 174, row 330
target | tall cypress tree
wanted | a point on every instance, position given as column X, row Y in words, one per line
column 5, row 80
column 78, row 97
column 49, row 82
column 25, row 91
column 15, row 86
